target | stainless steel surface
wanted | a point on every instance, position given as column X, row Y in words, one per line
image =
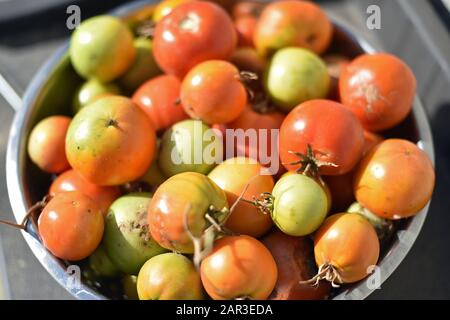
column 18, row 191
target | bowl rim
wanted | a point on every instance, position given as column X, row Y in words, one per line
column 16, row 189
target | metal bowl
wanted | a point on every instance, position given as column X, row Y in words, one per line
column 52, row 88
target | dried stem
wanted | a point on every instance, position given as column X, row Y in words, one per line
column 326, row 272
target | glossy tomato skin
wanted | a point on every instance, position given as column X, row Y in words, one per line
column 165, row 7
column 193, row 32
column 395, row 179
column 187, row 195
column 238, row 267
column 349, row 243
column 333, row 132
column 103, row 135
column 46, row 144
column 294, row 257
column 213, row 92
column 73, row 181
column 292, row 23
column 232, row 176
column 71, row 226
column 92, row 90
column 379, row 89
column 160, row 99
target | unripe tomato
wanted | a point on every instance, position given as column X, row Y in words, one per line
column 100, row 263
column 184, row 198
column 238, row 267
column 213, row 92
column 233, row 175
column 371, row 88
column 71, row 226
column 169, row 276
column 165, row 7
column 347, row 245
column 193, row 32
column 92, row 90
column 160, row 99
column 111, row 141
column 46, row 144
column 293, row 24
column 102, row 48
column 395, row 179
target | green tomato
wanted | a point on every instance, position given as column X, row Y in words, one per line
column 102, row 47
column 143, row 68
column 169, row 276
column 92, row 90
column 127, row 240
column 189, row 146
column 300, row 205
column 101, row 263
column 295, row 75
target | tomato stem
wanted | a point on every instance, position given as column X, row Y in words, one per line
column 326, row 272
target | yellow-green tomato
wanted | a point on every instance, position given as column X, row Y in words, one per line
column 189, row 146
column 300, row 205
column 102, row 47
column 295, row 75
column 92, row 90
column 101, row 264
column 169, row 276
column 126, row 238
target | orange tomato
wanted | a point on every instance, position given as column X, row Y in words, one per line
column 379, row 89
column 395, row 179
column 370, row 140
column 232, row 176
column 71, row 226
column 46, row 144
column 73, row 181
column 238, row 267
column 347, row 245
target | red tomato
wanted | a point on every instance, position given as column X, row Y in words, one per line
column 395, row 179
column 213, row 92
column 379, row 89
column 329, row 128
column 73, row 181
column 193, row 32
column 71, row 226
column 247, row 9
column 245, row 27
column 160, row 99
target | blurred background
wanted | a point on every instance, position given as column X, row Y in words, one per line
column 418, row 31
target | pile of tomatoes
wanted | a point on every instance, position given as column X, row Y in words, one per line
column 127, row 211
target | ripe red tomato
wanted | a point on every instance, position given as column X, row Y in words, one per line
column 160, row 99
column 395, row 179
column 245, row 27
column 71, row 226
column 193, row 32
column 213, row 92
column 238, row 267
column 379, row 89
column 73, row 181
column 333, row 132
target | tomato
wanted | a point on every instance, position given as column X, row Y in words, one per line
column 370, row 140
column 46, row 144
column 247, row 8
column 238, row 267
column 103, row 136
column 247, row 59
column 245, row 27
column 341, row 190
column 130, row 287
column 334, row 134
column 295, row 75
column 189, row 145
column 233, row 175
column 300, row 204
column 370, row 87
column 100, row 263
column 102, row 47
column 71, row 226
column 73, row 181
column 160, row 99
column 143, row 68
column 194, row 32
column 293, row 24
column 165, row 7
column 92, row 90
column 185, row 197
column 213, row 92
column 154, row 176
column 169, row 276
column 395, row 179
column 345, row 246
column 294, row 257
column 335, row 64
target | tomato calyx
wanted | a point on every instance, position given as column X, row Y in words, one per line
column 264, row 203
column 326, row 272
column 247, row 78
